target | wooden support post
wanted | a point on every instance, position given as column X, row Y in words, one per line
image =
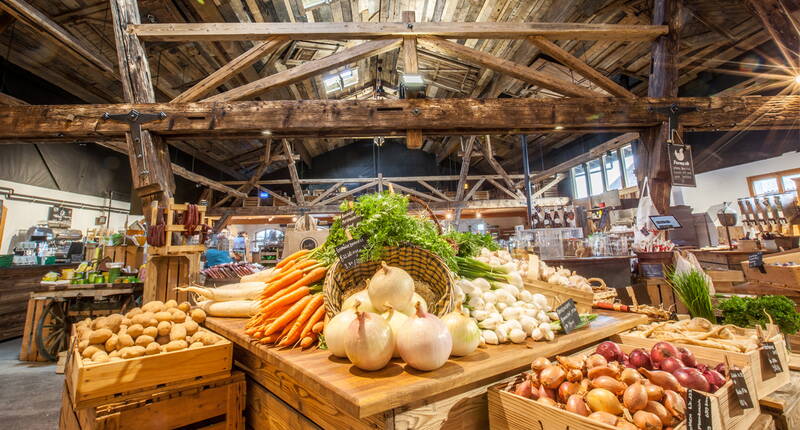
column 651, row 152
column 152, row 173
column 411, row 66
column 465, row 161
column 298, row 190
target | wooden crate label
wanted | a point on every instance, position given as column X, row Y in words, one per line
column 741, row 389
column 349, row 251
column 698, row 414
column 770, row 354
column 568, row 314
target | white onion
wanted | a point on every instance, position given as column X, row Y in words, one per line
column 424, row 341
column 390, row 286
column 396, row 320
column 369, row 342
column 361, row 296
column 336, row 329
column 482, row 284
column 408, row 308
column 464, row 331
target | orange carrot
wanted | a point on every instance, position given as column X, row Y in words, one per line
column 276, row 286
column 292, row 313
column 305, row 263
column 308, row 341
column 313, row 276
column 318, row 327
column 292, row 257
column 268, row 339
column 314, row 320
column 300, row 322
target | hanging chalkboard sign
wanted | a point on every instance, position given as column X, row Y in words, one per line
column 741, row 389
column 651, row 270
column 770, row 354
column 350, row 218
column 568, row 314
column 756, row 260
column 349, row 251
column 698, row 411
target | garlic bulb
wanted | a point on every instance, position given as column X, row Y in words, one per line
column 390, row 286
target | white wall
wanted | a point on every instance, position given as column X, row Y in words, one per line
column 21, row 215
column 729, row 184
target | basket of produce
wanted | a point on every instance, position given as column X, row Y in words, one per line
column 432, row 279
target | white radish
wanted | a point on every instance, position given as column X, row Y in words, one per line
column 229, row 309
column 261, row 276
column 243, row 291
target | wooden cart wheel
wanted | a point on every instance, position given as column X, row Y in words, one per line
column 56, row 323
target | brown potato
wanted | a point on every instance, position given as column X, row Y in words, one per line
column 178, row 316
column 154, row 306
column 100, row 336
column 91, row 350
column 198, row 315
column 185, row 306
column 191, row 326
column 172, row 303
column 152, row 349
column 163, row 316
column 150, row 331
column 196, row 345
column 113, row 354
column 163, row 340
column 113, row 322
column 164, row 327
column 124, row 341
column 178, row 332
column 133, row 312
column 83, row 344
column 112, row 342
column 176, row 345
column 114, row 358
column 132, row 352
column 126, row 322
column 100, row 357
column 135, row 330
column 144, row 340
column 87, row 361
column 98, row 323
column 142, row 318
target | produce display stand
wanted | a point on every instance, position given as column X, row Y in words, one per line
column 784, row 404
column 557, row 294
column 723, row 259
column 787, row 277
column 330, row 392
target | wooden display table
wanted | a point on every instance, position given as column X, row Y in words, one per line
column 615, row 271
column 305, row 387
column 724, row 259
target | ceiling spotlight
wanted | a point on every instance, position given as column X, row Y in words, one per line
column 797, row 79
column 266, row 133
column 477, row 214
column 466, row 186
column 448, row 216
column 294, row 219
column 559, row 127
column 342, row 189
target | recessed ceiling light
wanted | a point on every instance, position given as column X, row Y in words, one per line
column 797, row 79
column 267, row 132
column 559, row 127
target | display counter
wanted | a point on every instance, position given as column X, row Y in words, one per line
column 16, row 284
column 724, row 259
column 615, row 271
column 305, row 387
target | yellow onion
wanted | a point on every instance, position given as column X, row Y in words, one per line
column 552, row 376
column 647, row 421
column 675, row 404
column 464, row 331
column 602, row 400
column 630, row 376
column 336, row 329
column 625, row 425
column 606, row 370
column 574, row 375
column 654, row 392
column 548, row 401
column 571, row 362
column 661, row 411
column 424, row 342
column 609, row 384
column 362, row 297
column 396, row 321
column 539, row 363
column 604, row 417
column 635, row 397
column 369, row 342
column 595, row 360
column 567, row 389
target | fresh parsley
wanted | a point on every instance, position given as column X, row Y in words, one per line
column 749, row 311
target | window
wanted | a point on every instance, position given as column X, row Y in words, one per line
column 613, row 171
column 308, row 4
column 579, row 184
column 630, row 168
column 771, row 183
column 596, row 186
column 267, row 237
column 341, row 80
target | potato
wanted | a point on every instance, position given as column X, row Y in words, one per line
column 135, row 330
column 113, row 322
column 176, row 345
column 100, row 357
column 113, row 354
column 83, row 344
column 152, row 349
column 164, row 327
column 150, row 331
column 142, row 318
column 171, row 304
column 98, row 323
column 163, row 340
column 144, row 340
column 133, row 312
column 196, row 345
column 191, row 326
column 178, row 332
column 91, row 349
column 185, row 306
column 204, row 337
column 132, row 352
column 100, row 336
column 124, row 341
column 123, row 329
column 80, row 324
column 178, row 316
column 163, row 316
column 126, row 322
column 198, row 315
column 112, row 342
column 154, row 306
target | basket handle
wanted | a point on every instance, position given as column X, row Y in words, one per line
column 599, row 281
column 428, row 209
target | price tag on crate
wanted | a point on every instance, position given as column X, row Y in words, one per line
column 568, row 314
column 349, row 251
column 770, row 354
column 698, row 411
column 741, row 389
column 350, row 218
column 756, row 260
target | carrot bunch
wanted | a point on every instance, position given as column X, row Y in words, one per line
column 291, row 308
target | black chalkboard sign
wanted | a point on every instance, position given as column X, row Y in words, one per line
column 770, row 354
column 698, row 411
column 568, row 314
column 756, row 260
column 350, row 218
column 651, row 270
column 741, row 389
column 348, row 252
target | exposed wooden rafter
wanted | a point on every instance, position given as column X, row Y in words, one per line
column 465, row 162
column 298, row 190
column 781, row 26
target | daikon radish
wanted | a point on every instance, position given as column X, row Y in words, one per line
column 261, row 276
column 230, row 309
column 243, row 291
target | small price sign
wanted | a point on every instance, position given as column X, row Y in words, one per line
column 350, row 218
column 770, row 354
column 756, row 260
column 348, row 252
column 698, row 413
column 741, row 389
column 568, row 314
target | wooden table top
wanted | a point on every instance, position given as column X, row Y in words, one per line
column 362, row 394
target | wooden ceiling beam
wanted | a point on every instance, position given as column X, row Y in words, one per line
column 523, row 73
column 306, row 70
column 781, row 26
column 226, row 72
column 379, row 117
column 180, row 32
column 327, row 207
column 578, row 65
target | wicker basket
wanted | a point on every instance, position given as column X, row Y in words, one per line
column 419, row 263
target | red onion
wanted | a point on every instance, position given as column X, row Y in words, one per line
column 687, row 357
column 722, row 369
column 691, row 378
column 715, row 379
column 640, row 358
column 610, row 350
column 661, row 351
column 524, row 389
column 701, row 367
column 670, row 364
column 424, row 342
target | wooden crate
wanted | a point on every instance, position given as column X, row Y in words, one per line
column 97, row 384
column 766, row 381
column 171, row 248
column 659, row 292
column 784, row 404
column 164, row 273
column 788, row 276
column 215, row 403
column 557, row 294
column 129, row 255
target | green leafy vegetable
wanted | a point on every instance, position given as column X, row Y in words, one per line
column 470, row 268
column 469, row 244
column 385, row 222
column 692, row 289
column 585, row 320
column 749, row 312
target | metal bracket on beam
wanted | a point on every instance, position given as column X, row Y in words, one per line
column 135, row 119
column 673, row 112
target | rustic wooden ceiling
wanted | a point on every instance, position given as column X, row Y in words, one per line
column 715, row 32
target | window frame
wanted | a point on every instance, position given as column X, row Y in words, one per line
column 778, row 176
column 603, row 174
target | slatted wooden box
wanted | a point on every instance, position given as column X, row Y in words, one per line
column 766, row 381
column 557, row 294
column 210, row 403
column 788, row 276
column 97, row 384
